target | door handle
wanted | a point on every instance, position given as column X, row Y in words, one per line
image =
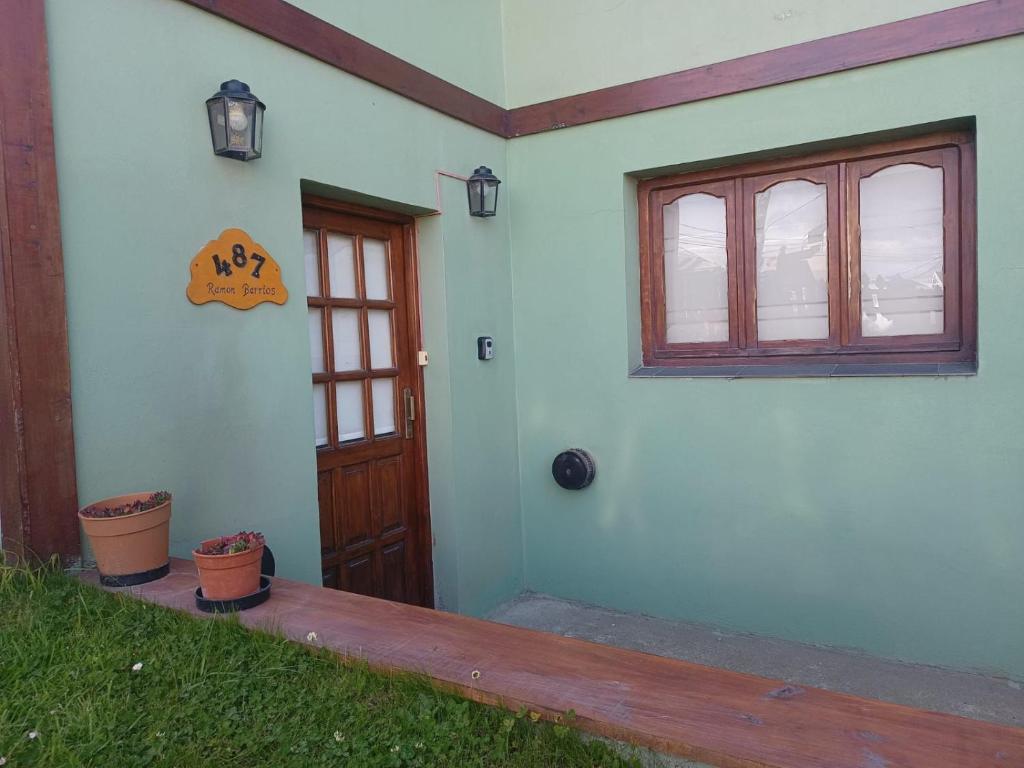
column 410, row 412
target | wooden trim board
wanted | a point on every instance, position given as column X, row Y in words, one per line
column 38, row 497
column 939, row 31
column 304, row 32
column 701, row 713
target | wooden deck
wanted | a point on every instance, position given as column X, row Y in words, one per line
column 702, row 713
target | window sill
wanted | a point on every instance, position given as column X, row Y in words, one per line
column 803, row 371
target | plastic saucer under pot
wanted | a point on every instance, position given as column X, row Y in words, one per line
column 260, row 596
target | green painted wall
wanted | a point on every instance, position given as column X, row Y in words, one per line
column 471, row 417
column 881, row 514
column 555, row 49
column 884, row 514
column 458, row 40
column 215, row 404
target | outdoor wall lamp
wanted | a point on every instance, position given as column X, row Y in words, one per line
column 482, row 188
column 236, row 121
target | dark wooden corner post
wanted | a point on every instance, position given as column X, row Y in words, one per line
column 37, row 455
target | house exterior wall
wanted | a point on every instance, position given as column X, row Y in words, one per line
column 215, row 404
column 572, row 46
column 882, row 514
column 458, row 40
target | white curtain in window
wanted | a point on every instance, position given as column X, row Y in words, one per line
column 696, row 273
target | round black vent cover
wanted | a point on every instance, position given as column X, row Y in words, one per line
column 573, row 469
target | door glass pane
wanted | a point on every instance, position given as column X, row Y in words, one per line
column 384, row 406
column 375, row 264
column 901, row 251
column 316, row 341
column 320, row 414
column 345, row 327
column 350, row 410
column 791, row 232
column 696, row 277
column 380, row 338
column 342, row 266
column 312, row 261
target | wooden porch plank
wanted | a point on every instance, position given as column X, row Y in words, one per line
column 702, row 713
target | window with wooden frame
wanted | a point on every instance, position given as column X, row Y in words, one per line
column 856, row 259
column 351, row 334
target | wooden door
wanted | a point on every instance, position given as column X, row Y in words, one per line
column 364, row 336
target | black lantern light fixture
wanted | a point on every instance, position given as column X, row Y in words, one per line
column 236, row 121
column 482, row 188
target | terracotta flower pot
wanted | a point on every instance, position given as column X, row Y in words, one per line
column 130, row 549
column 228, row 577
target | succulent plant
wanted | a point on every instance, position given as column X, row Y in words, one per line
column 141, row 505
column 231, row 545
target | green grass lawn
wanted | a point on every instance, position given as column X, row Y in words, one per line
column 213, row 693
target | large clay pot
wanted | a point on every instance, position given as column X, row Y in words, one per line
column 228, row 577
column 131, row 549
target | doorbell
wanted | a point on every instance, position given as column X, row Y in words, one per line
column 484, row 348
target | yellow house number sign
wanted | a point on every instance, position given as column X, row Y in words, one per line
column 237, row 271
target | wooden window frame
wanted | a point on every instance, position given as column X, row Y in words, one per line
column 841, row 170
column 322, row 224
column 724, row 190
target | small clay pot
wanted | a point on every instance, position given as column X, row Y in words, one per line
column 133, row 546
column 228, row 577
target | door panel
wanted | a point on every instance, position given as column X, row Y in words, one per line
column 352, row 510
column 389, row 481
column 357, row 576
column 330, row 578
column 325, row 492
column 393, row 561
column 374, row 524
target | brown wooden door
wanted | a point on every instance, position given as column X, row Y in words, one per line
column 363, row 325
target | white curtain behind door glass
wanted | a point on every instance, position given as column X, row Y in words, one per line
column 379, row 322
column 349, row 402
column 316, row 340
column 320, row 414
column 375, row 267
column 347, row 345
column 901, row 251
column 341, row 266
column 312, row 262
column 383, row 406
column 696, row 277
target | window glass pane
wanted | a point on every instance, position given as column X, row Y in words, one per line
column 791, row 234
column 320, row 414
column 696, row 278
column 383, row 406
column 312, row 261
column 901, row 251
column 375, row 264
column 350, row 410
column 341, row 265
column 345, row 327
column 380, row 338
column 316, row 341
